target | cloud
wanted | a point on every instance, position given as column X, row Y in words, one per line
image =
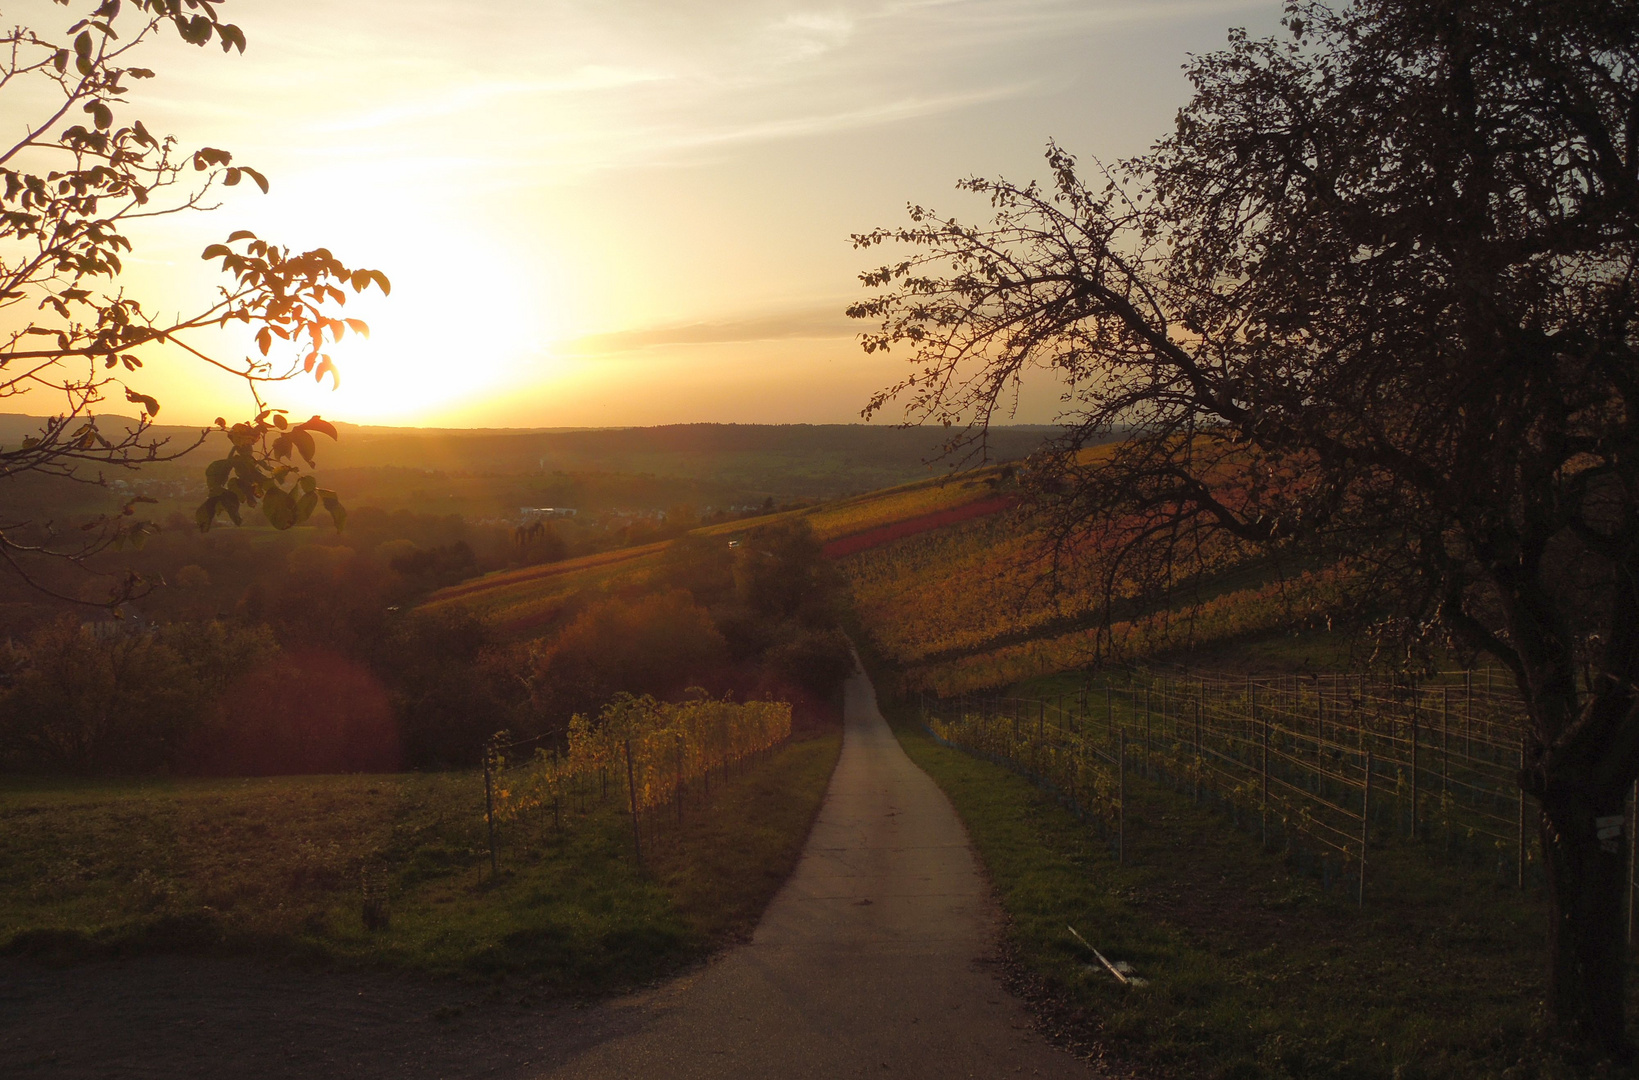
column 812, row 322
column 484, row 95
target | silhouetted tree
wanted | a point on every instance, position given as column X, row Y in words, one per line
column 1376, row 292
column 71, row 184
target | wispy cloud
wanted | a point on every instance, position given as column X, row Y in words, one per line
column 810, row 322
column 452, row 101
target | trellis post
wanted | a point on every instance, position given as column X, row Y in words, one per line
column 631, row 788
column 1365, row 828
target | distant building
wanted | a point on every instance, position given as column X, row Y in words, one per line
column 548, row 511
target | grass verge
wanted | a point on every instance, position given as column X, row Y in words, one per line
column 272, row 866
column 1253, row 970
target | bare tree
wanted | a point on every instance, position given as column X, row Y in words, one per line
column 72, row 337
column 1375, row 295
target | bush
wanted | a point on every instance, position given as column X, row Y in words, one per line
column 310, row 711
column 816, row 661
column 660, row 644
column 101, row 698
column 452, row 687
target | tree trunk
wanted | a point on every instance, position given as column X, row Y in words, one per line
column 1587, row 956
column 1580, row 758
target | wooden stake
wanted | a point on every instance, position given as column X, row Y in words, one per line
column 1521, row 810
column 1365, row 828
column 489, row 810
column 1414, row 767
column 1445, row 741
column 1264, row 767
column 1468, row 715
column 1633, row 851
column 1147, row 712
column 631, row 788
column 1197, row 751
column 1121, row 807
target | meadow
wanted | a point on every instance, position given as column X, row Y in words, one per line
column 276, row 866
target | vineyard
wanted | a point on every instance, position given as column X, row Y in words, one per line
column 1327, row 768
column 653, row 754
column 521, row 603
column 966, row 608
column 517, row 602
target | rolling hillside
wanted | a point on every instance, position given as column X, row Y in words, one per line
column 948, row 583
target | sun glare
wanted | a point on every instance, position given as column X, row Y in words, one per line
column 437, row 346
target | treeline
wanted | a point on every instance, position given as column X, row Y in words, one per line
column 323, row 666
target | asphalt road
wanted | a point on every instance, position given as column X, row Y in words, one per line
column 875, row 959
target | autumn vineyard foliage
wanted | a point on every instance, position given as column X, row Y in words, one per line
column 972, row 606
column 519, row 603
column 667, row 748
column 953, row 582
column 524, row 603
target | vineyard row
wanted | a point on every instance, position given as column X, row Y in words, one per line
column 1332, row 764
column 653, row 753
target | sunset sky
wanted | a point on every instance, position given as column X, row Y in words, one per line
column 632, row 212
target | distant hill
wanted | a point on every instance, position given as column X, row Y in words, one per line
column 785, row 460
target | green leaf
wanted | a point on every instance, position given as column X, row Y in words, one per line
column 305, row 506
column 205, row 516
column 338, row 513
column 322, row 426
column 279, row 508
column 216, row 475
column 216, row 251
column 304, row 443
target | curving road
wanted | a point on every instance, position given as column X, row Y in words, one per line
column 873, row 960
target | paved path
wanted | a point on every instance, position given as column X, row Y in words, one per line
column 873, row 960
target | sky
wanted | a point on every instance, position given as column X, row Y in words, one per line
column 629, row 211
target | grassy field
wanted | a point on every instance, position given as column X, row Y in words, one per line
column 273, row 867
column 1254, row 970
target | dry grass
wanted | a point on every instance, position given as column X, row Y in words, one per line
column 274, row 866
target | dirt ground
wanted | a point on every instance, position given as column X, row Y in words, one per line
column 174, row 1016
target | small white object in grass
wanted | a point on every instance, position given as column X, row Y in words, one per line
column 1121, row 969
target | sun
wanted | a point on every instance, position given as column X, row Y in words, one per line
column 436, row 348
